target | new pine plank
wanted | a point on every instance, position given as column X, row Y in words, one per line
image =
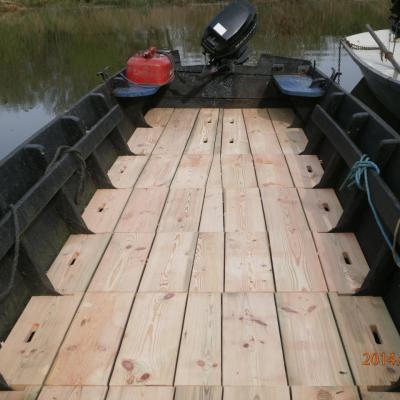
column 126, row 170
column 212, row 215
column 28, row 352
column 306, row 170
column 170, row 262
column 150, row 346
column 74, row 266
column 261, row 133
column 292, row 141
column 91, row 344
column 282, row 208
column 372, row 395
column 252, row 351
column 322, row 208
column 143, row 210
column 122, row 265
column 343, row 261
column 29, row 393
column 202, row 139
column 176, row 133
column 238, row 171
column 208, row 265
column 198, row 393
column 313, row 351
column 234, row 136
column 192, row 171
column 295, row 261
column 243, row 211
column 325, row 392
column 73, row 393
column 282, row 118
column 215, row 175
column 143, row 140
column 199, row 360
column 158, row 117
column 272, row 170
column 182, row 210
column 247, row 263
column 158, row 172
column 257, row 393
column 104, row 209
column 358, row 318
column 140, row 393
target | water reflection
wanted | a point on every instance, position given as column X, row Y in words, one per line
column 50, row 56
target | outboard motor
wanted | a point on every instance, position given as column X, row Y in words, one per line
column 225, row 39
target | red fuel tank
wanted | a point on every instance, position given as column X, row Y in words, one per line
column 150, row 68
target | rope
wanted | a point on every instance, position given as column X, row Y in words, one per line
column 358, row 47
column 6, row 291
column 395, row 238
column 358, row 176
column 62, row 150
column 339, row 61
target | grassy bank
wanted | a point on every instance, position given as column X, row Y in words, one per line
column 18, row 5
column 50, row 55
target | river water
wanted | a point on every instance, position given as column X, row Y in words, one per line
column 49, row 56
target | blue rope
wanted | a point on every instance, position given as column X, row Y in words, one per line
column 358, row 176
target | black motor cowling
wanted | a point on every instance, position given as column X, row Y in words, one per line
column 225, row 39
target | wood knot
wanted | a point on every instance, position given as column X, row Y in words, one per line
column 128, row 365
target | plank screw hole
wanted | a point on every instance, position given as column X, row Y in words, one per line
column 209, row 121
column 231, row 140
column 231, row 121
column 376, row 335
column 101, row 208
column 31, row 334
column 309, row 169
column 72, row 262
column 346, row 258
column 205, row 140
column 326, row 207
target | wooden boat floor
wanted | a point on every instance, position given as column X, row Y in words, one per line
column 211, row 274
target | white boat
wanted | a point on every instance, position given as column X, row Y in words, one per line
column 381, row 76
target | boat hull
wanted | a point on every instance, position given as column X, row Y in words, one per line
column 386, row 90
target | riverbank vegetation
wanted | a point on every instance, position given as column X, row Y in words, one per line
column 19, row 5
column 50, row 55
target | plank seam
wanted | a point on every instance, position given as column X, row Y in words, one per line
column 302, row 207
column 262, row 206
column 281, row 339
column 342, row 342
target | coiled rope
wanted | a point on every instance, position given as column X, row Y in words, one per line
column 6, row 291
column 358, row 176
